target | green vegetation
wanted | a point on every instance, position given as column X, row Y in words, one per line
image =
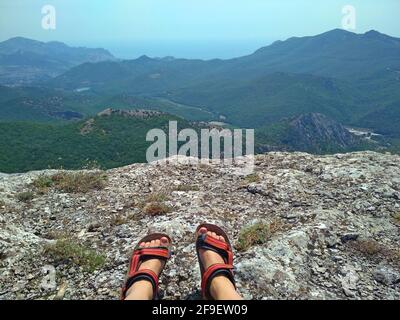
column 79, row 182
column 265, row 91
column 252, row 178
column 113, row 141
column 25, row 196
column 43, row 183
column 258, row 234
column 72, row 182
column 71, row 251
column 396, row 218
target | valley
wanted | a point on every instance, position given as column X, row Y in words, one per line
column 300, row 94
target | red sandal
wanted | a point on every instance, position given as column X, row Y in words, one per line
column 224, row 249
column 141, row 254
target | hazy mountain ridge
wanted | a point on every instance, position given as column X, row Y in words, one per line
column 24, row 61
column 349, row 74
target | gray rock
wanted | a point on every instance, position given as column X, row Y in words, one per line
column 316, row 208
column 386, row 275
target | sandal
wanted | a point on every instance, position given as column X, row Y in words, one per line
column 224, row 249
column 141, row 254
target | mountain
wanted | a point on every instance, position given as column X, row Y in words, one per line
column 275, row 96
column 23, row 61
column 311, row 132
column 303, row 227
column 334, row 54
column 344, row 75
column 337, row 53
column 317, row 133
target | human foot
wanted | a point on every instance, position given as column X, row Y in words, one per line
column 216, row 259
column 147, row 263
column 155, row 265
column 209, row 257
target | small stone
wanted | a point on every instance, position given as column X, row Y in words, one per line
column 349, row 237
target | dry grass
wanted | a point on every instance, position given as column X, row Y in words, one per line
column 26, row 196
column 396, row 218
column 43, row 183
column 252, row 178
column 120, row 219
column 258, row 234
column 157, row 197
column 77, row 182
column 367, row 247
column 187, row 187
column 156, row 208
column 375, row 250
column 154, row 204
column 70, row 251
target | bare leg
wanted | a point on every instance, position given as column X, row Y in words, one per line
column 143, row 290
column 221, row 287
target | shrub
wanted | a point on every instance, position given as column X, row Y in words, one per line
column 156, row 209
column 43, row 183
column 367, row 247
column 157, row 197
column 257, row 234
column 253, row 235
column 373, row 249
column 79, row 182
column 25, row 196
column 68, row 250
column 252, row 178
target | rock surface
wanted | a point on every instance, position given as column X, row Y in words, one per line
column 337, row 210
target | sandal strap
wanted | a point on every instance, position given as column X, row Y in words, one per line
column 159, row 252
column 144, row 274
column 140, row 255
column 213, row 271
column 206, row 242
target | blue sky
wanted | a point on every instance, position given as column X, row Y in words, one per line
column 189, row 28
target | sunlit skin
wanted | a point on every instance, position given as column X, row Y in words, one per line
column 221, row 288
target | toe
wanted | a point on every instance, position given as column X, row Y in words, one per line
column 153, row 243
column 203, row 230
column 157, row 243
column 221, row 238
column 147, row 244
column 213, row 234
column 164, row 241
column 142, row 244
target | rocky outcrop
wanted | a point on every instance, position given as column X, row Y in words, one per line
column 316, row 132
column 129, row 113
column 340, row 238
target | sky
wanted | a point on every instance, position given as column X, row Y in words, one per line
column 203, row 29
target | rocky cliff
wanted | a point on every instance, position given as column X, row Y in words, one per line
column 315, row 132
column 304, row 227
